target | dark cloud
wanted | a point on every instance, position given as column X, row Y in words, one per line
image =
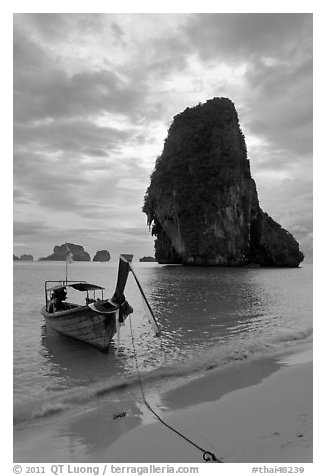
column 290, row 203
column 117, row 31
column 44, row 25
column 20, row 197
column 265, row 158
column 52, row 94
column 92, row 189
column 277, row 52
column 50, row 27
column 54, row 185
column 169, row 55
column 65, row 162
column 95, row 152
column 28, row 228
column 44, row 90
column 238, row 36
column 281, row 108
column 93, row 97
column 69, row 135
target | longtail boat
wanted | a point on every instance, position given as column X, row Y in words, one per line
column 96, row 321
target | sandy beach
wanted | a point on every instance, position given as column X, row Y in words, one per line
column 251, row 411
column 267, row 422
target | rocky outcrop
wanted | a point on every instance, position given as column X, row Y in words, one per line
column 202, row 202
column 102, row 256
column 60, row 253
column 23, row 258
column 26, row 258
column 147, row 259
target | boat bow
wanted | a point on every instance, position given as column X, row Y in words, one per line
column 118, row 297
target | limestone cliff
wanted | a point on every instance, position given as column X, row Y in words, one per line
column 26, row 258
column 60, row 253
column 147, row 259
column 202, row 202
column 23, row 258
column 102, row 255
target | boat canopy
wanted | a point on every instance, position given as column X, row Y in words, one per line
column 85, row 286
column 78, row 286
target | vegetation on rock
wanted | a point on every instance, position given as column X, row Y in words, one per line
column 102, row 255
column 60, row 253
column 202, row 203
column 23, row 258
column 147, row 259
column 26, row 258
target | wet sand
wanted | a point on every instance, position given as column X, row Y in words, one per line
column 250, row 411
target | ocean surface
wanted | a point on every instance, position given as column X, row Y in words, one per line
column 210, row 317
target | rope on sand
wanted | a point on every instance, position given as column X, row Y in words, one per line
column 207, row 455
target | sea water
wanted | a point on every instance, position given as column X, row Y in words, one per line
column 209, row 317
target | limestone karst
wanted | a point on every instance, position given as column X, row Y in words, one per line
column 202, row 202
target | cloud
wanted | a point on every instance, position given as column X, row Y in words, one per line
column 45, row 26
column 290, row 203
column 29, row 228
column 69, row 135
column 68, row 184
column 95, row 152
column 94, row 95
column 52, row 94
column 44, row 88
column 234, row 36
column 281, row 109
column 276, row 52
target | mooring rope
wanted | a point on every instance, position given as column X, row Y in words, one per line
column 207, row 455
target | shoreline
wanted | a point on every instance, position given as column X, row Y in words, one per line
column 270, row 421
column 251, row 411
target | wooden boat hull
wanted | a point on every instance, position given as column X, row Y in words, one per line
column 84, row 324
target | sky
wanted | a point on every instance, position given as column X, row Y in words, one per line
column 95, row 94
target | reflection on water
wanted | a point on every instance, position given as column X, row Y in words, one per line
column 199, row 308
column 74, row 362
column 204, row 313
column 209, row 317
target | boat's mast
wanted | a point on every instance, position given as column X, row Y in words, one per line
column 68, row 260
